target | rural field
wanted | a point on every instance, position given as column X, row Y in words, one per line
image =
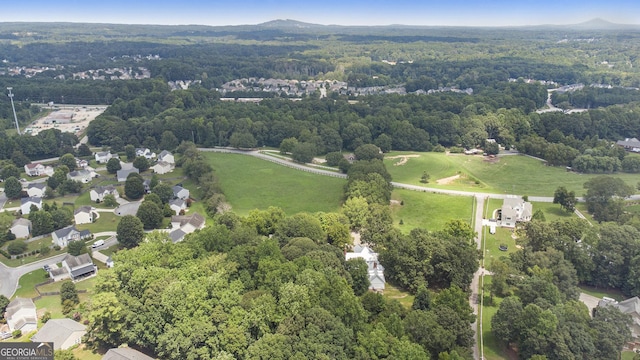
column 506, row 174
column 428, row 211
column 249, row 183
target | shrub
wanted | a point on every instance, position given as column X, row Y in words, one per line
column 56, row 247
column 16, row 333
column 17, row 247
column 45, row 317
column 438, row 148
column 456, row 150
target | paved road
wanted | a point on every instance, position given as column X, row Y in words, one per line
column 10, row 276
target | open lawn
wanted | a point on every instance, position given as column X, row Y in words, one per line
column 106, row 222
column 27, row 283
column 249, row 183
column 392, row 292
column 34, row 245
column 506, row 174
column 552, row 212
column 503, row 236
column 427, row 210
column 600, row 293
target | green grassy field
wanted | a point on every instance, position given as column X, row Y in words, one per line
column 507, row 174
column 106, row 222
column 552, row 212
column 392, row 292
column 249, row 183
column 427, row 210
column 27, row 283
column 600, row 293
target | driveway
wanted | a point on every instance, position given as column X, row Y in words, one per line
column 589, row 300
column 128, row 209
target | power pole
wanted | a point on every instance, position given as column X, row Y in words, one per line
column 15, row 117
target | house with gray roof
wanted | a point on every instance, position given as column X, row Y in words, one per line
column 67, row 234
column 125, row 353
column 122, row 174
column 180, row 193
column 21, row 315
column 166, row 157
column 21, row 228
column 36, row 189
column 631, row 307
column 186, row 224
column 83, row 176
column 98, row 193
column 63, row 333
column 177, row 205
column 84, row 215
column 103, row 157
column 374, row 269
column 514, row 210
column 25, row 204
column 631, row 144
column 78, row 266
column 162, row 167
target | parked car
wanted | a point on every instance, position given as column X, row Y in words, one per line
column 97, row 244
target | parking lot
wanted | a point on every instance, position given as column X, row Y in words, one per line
column 67, row 118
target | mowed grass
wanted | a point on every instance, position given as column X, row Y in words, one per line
column 27, row 283
column 427, row 210
column 392, row 292
column 552, row 212
column 249, row 183
column 506, row 174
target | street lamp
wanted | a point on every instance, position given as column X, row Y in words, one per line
column 15, row 117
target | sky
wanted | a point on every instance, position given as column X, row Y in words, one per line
column 326, row 12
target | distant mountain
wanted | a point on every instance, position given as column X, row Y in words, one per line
column 600, row 24
column 288, row 23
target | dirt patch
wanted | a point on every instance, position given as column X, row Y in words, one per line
column 402, row 159
column 395, row 202
column 448, row 180
column 491, row 159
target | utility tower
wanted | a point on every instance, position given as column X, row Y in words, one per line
column 15, row 117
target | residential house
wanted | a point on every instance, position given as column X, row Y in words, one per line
column 515, row 209
column 632, row 144
column 58, row 273
column 26, row 202
column 99, row 192
column 21, row 228
column 162, row 167
column 180, row 193
column 67, row 234
column 167, row 157
column 146, row 153
column 84, row 215
column 21, row 315
column 83, row 176
column 125, row 353
column 375, row 269
column 122, row 174
column 36, row 189
column 632, row 308
column 186, row 224
column 103, row 157
column 81, row 164
column 177, row 205
column 64, row 333
column 37, row 169
column 78, row 266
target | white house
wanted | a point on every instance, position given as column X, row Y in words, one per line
column 125, row 353
column 67, row 234
column 37, row 169
column 21, row 228
column 183, row 225
column 162, row 167
column 180, row 193
column 81, row 164
column 146, row 153
column 99, row 192
column 84, row 215
column 83, row 176
column 515, row 210
column 64, row 333
column 25, row 204
column 102, row 157
column 21, row 315
column 167, row 157
column 36, row 189
column 177, row 205
column 375, row 270
column 122, row 174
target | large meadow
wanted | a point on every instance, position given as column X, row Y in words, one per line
column 508, row 174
